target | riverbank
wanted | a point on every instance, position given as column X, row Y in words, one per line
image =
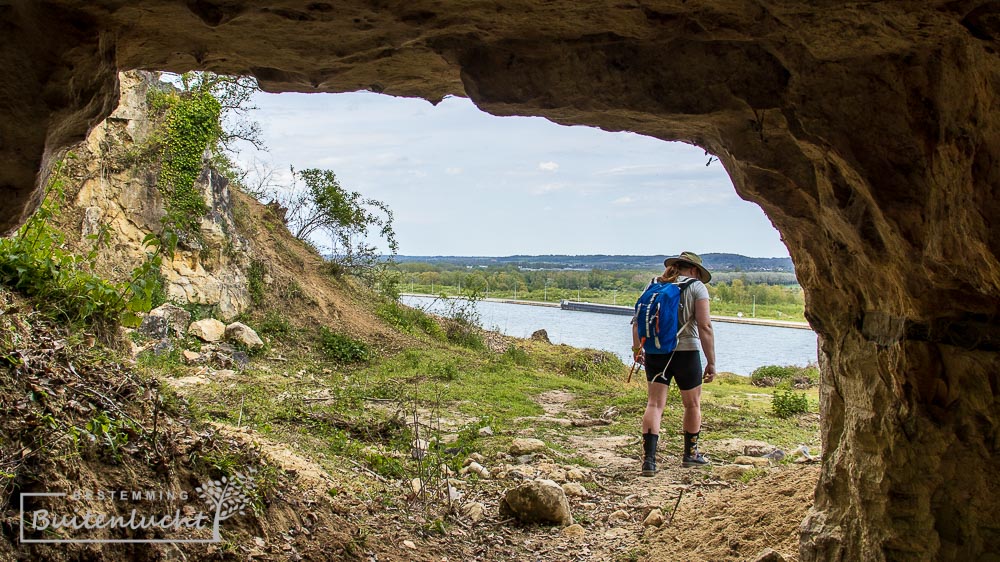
column 612, row 309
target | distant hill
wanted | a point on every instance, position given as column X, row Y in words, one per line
column 714, row 262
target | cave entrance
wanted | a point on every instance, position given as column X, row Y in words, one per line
column 462, row 182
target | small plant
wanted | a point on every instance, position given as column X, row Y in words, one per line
column 342, row 348
column 517, row 355
column 255, row 281
column 753, row 474
column 771, row 375
column 786, row 403
column 274, row 325
column 110, row 432
column 407, row 319
column 446, row 371
column 36, row 262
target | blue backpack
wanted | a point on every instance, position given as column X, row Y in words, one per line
column 657, row 314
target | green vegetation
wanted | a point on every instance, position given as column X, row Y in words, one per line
column 320, row 207
column 35, row 262
column 786, row 403
column 740, row 294
column 786, row 376
column 341, row 348
column 407, row 319
column 189, row 125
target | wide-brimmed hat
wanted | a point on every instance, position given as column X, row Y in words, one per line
column 690, row 258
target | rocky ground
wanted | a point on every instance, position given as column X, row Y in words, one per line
column 728, row 512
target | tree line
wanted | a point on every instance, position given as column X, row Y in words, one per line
column 730, row 290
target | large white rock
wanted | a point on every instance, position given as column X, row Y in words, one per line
column 538, row 501
column 208, row 329
column 524, row 446
column 241, row 333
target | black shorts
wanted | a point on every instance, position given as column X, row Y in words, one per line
column 684, row 367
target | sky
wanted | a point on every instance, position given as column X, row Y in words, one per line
column 462, row 182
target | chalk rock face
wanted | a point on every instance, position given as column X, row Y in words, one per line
column 207, row 269
column 538, row 501
column 868, row 133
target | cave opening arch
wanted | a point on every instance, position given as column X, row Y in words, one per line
column 867, row 132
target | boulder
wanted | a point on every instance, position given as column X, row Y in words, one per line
column 540, row 335
column 525, row 446
column 154, row 327
column 474, row 511
column 176, row 317
column 753, row 461
column 208, row 329
column 238, row 332
column 619, row 517
column 737, row 447
column 730, row 472
column 538, row 501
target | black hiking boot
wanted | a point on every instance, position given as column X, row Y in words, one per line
column 692, row 458
column 649, row 441
column 695, row 460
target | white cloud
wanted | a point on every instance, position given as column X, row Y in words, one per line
column 548, row 166
column 623, row 201
column 453, row 171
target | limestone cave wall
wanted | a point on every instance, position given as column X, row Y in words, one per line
column 869, row 132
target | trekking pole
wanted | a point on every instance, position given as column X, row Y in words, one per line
column 635, row 362
column 630, row 371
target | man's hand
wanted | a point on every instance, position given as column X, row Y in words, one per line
column 709, row 375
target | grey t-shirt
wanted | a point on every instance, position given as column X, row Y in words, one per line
column 687, row 337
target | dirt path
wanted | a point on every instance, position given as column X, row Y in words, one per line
column 718, row 517
column 715, row 519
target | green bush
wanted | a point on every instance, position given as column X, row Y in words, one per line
column 444, row 370
column 807, row 377
column 590, row 365
column 406, row 319
column 274, row 325
column 517, row 356
column 342, row 348
column 465, row 334
column 772, row 375
column 786, row 403
column 65, row 284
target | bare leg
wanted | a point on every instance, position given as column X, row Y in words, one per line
column 656, row 401
column 692, row 409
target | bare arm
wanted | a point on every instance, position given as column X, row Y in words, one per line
column 637, row 353
column 703, row 316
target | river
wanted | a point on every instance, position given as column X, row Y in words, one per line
column 739, row 348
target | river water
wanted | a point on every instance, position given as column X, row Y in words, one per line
column 739, row 348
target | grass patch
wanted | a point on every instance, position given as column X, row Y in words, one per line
column 341, row 348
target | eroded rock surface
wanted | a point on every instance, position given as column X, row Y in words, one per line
column 868, row 132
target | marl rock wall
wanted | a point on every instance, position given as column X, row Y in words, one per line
column 869, row 132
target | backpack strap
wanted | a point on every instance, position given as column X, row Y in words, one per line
column 684, row 285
